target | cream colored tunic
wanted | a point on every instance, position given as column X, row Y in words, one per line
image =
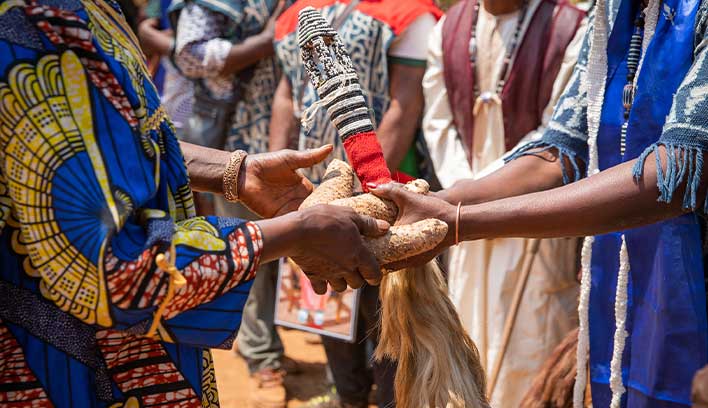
column 483, row 274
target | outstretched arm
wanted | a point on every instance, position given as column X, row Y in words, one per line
column 509, row 181
column 612, row 200
column 268, row 184
column 666, row 181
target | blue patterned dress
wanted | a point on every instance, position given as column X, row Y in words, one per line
column 666, row 325
column 93, row 187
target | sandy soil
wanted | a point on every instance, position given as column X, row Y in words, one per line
column 232, row 373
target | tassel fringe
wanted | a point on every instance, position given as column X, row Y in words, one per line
column 683, row 164
column 564, row 154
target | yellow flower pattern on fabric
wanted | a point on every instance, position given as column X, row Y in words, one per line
column 199, row 234
column 47, row 117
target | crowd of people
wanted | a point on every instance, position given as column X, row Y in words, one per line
column 536, row 122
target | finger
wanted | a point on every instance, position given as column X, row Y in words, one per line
column 338, row 284
column 370, row 226
column 369, row 267
column 318, row 285
column 307, row 185
column 391, row 191
column 310, row 157
column 354, row 280
column 372, row 185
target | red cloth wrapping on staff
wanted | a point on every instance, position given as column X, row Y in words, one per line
column 366, row 157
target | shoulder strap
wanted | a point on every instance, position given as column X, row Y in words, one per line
column 458, row 70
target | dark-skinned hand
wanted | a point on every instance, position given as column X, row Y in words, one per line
column 326, row 242
column 269, row 183
column 412, row 208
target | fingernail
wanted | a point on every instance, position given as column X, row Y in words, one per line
column 372, row 186
column 383, row 225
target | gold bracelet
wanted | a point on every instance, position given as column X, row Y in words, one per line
column 231, row 173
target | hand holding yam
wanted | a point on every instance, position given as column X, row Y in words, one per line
column 401, row 241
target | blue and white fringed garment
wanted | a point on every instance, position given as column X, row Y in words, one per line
column 643, row 324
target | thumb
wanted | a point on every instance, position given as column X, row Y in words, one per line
column 370, row 226
column 310, row 157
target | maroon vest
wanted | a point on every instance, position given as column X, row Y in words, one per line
column 530, row 84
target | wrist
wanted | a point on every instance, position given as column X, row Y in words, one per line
column 454, row 228
column 460, row 192
column 282, row 236
column 473, row 224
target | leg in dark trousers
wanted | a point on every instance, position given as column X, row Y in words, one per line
column 349, row 362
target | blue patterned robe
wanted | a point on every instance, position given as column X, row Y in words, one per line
column 93, row 187
column 666, row 319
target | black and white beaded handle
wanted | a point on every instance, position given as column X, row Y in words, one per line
column 332, row 73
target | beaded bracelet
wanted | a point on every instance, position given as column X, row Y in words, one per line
column 231, row 173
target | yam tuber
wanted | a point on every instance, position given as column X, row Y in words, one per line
column 373, row 206
column 405, row 241
column 338, row 182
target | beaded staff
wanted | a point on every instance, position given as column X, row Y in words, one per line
column 332, row 73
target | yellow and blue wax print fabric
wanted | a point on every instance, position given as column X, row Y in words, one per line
column 93, row 187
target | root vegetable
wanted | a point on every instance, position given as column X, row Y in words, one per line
column 369, row 204
column 373, row 206
column 405, row 241
column 338, row 182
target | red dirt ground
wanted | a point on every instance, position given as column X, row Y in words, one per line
column 232, row 373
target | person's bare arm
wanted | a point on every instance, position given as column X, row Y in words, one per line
column 269, row 183
column 153, row 40
column 201, row 54
column 510, row 180
column 254, row 48
column 248, row 52
column 400, row 122
column 284, row 128
column 611, row 200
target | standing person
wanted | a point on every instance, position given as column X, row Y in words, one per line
column 635, row 115
column 227, row 47
column 383, row 39
column 495, row 72
column 157, row 40
column 112, row 291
